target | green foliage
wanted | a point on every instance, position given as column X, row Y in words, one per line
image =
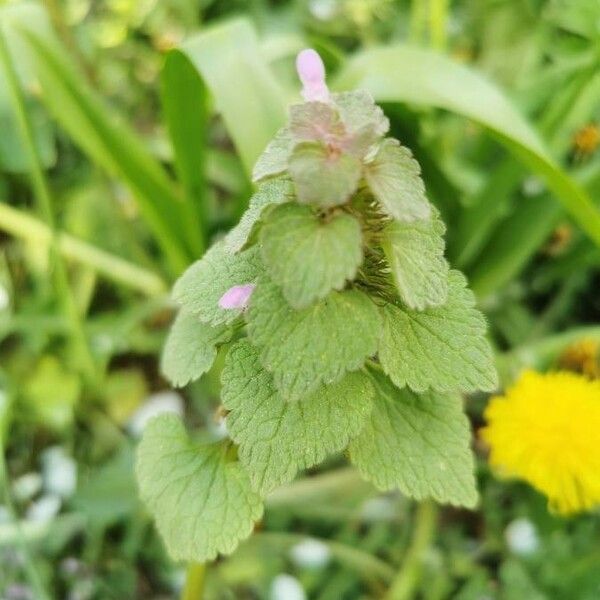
column 276, row 437
column 415, row 253
column 160, row 110
column 191, row 348
column 308, row 256
column 200, row 288
column 441, row 348
column 348, row 269
column 322, row 179
column 200, row 497
column 319, row 344
column 418, row 444
column 273, row 191
column 394, row 177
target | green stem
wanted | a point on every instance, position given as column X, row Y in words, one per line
column 44, row 199
column 368, row 566
column 438, row 22
column 194, row 582
column 64, row 31
column 30, row 570
column 29, row 228
column 418, row 17
column 405, row 583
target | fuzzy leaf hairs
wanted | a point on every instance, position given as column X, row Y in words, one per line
column 344, row 329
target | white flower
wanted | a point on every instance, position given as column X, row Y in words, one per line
column 59, row 472
column 44, row 509
column 521, row 537
column 310, row 554
column 156, row 404
column 286, row 587
column 27, row 486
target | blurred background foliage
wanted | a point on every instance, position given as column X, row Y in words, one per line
column 127, row 132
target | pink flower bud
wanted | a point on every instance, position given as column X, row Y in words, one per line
column 312, row 75
column 237, row 297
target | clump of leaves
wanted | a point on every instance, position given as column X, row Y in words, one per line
column 346, row 330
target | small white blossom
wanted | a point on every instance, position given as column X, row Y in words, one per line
column 310, row 554
column 156, row 404
column 59, row 472
column 44, row 509
column 286, row 587
column 521, row 537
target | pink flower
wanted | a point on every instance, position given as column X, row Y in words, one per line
column 237, row 297
column 312, row 75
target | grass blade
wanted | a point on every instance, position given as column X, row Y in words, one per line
column 228, row 59
column 407, row 74
column 113, row 145
column 185, row 114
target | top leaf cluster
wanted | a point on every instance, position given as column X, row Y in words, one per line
column 358, row 335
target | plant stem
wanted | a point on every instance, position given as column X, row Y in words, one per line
column 44, row 199
column 367, row 565
column 194, row 582
column 29, row 228
column 438, row 22
column 404, row 585
column 418, row 17
column 64, row 31
column 31, row 571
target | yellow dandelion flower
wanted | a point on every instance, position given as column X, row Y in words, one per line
column 546, row 430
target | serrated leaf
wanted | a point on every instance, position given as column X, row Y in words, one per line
column 319, row 344
column 441, row 348
column 394, row 177
column 359, row 111
column 274, row 159
column 276, row 438
column 316, row 122
column 418, row 444
column 270, row 192
column 323, row 177
column 191, row 348
column 202, row 501
column 200, row 288
column 307, row 256
column 415, row 253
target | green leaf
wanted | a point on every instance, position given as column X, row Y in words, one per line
column 322, row 178
column 441, row 348
column 423, row 77
column 415, row 253
column 418, row 444
column 315, row 122
column 230, row 61
column 112, row 144
column 190, row 349
column 273, row 191
column 274, row 159
column 200, row 288
column 308, row 257
column 277, row 438
column 13, row 156
column 201, row 500
column 319, row 344
column 359, row 112
column 185, row 113
column 394, row 177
